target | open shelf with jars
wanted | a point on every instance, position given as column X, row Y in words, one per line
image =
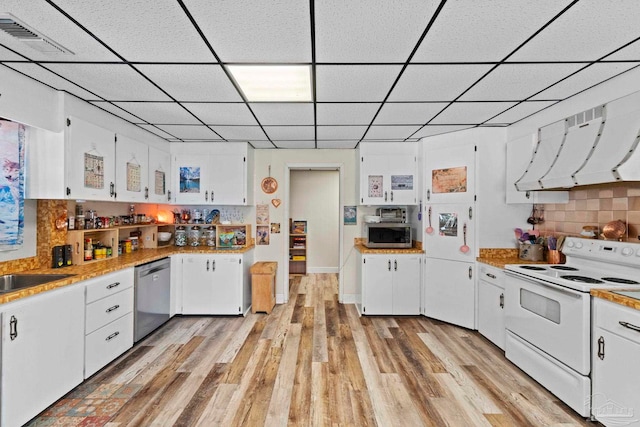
column 222, row 236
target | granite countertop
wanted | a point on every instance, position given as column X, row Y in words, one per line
column 617, row 298
column 499, row 257
column 358, row 243
column 99, row 268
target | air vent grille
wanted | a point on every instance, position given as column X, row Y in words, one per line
column 585, row 116
column 15, row 28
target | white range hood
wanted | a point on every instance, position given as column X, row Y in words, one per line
column 595, row 146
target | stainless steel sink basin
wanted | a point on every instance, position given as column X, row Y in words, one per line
column 14, row 282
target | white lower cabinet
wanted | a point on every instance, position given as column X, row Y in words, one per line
column 615, row 396
column 450, row 291
column 214, row 284
column 491, row 304
column 390, row 284
column 42, row 352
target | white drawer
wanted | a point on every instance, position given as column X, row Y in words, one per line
column 107, row 343
column 491, row 274
column 609, row 315
column 109, row 284
column 108, row 309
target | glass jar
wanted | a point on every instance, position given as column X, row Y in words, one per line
column 181, row 236
column 210, row 236
column 193, row 237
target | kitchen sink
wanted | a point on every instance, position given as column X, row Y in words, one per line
column 14, row 282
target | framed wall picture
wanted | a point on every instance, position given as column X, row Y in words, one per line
column 299, row 227
column 350, row 215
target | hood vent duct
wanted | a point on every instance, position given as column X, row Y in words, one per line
column 596, row 146
column 19, row 30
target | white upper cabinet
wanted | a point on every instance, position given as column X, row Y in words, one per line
column 450, row 174
column 388, row 173
column 132, row 170
column 90, row 161
column 211, row 174
column 159, row 176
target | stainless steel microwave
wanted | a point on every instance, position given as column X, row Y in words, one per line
column 387, row 235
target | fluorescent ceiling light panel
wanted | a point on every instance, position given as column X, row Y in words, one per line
column 273, row 83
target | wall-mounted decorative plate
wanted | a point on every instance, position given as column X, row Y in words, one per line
column 269, row 185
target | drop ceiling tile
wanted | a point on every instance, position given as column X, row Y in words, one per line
column 588, row 31
column 398, row 132
column 159, row 112
column 586, row 78
column 290, row 133
column 156, row 131
column 464, row 113
column 436, row 82
column 631, row 52
column 261, row 144
column 351, row 31
column 354, row 82
column 240, row 133
column 341, row 132
column 111, row 82
column 195, row 132
column 188, row 82
column 117, row 111
column 520, row 111
column 348, row 144
column 515, row 82
column 283, row 113
column 410, row 113
column 295, row 144
column 8, row 55
column 46, row 20
column 47, row 77
column 431, row 130
column 483, row 31
column 254, row 31
column 141, row 31
column 221, row 114
column 346, row 114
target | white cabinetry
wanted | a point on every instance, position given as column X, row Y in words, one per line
column 388, row 173
column 615, row 396
column 42, row 352
column 159, row 176
column 132, row 170
column 215, row 284
column 109, row 319
column 205, row 174
column 519, row 153
column 491, row 304
column 450, row 291
column 390, row 284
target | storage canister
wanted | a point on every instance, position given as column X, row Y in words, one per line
column 180, row 236
column 210, row 236
column 193, row 237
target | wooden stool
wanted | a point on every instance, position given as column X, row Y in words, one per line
column 263, row 286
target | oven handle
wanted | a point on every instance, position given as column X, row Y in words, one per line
column 569, row 292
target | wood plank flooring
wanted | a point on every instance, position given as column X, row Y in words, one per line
column 311, row 362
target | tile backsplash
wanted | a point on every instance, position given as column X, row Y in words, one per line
column 595, row 205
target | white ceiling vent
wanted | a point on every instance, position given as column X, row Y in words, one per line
column 585, row 116
column 15, row 28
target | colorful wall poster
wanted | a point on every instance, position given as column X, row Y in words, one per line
column 12, row 137
column 189, row 179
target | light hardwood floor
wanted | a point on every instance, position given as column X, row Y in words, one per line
column 314, row 362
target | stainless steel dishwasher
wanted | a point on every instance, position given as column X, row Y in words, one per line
column 152, row 296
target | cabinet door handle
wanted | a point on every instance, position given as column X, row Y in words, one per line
column 112, row 189
column 207, row 265
column 527, row 194
column 169, row 195
column 110, row 309
column 211, row 196
column 213, row 265
column 493, row 276
column 428, row 195
column 395, row 265
column 389, row 265
column 13, row 328
column 502, row 300
column 112, row 336
column 385, row 196
column 470, row 212
column 392, row 196
column 113, row 285
column 601, row 348
column 630, row 326
column 470, row 272
column 146, row 193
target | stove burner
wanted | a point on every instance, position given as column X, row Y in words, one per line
column 581, row 279
column 563, row 267
column 618, row 280
column 532, row 267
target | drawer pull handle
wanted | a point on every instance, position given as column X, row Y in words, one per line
column 113, row 285
column 13, row 328
column 110, row 309
column 493, row 276
column 630, row 326
column 112, row 336
column 601, row 348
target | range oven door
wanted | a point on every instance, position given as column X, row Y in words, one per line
column 552, row 318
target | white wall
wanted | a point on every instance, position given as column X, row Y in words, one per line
column 277, row 250
column 315, row 198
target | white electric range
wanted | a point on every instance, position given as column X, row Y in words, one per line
column 548, row 313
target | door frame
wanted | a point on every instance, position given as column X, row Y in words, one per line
column 287, row 189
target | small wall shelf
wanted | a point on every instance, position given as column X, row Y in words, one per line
column 297, row 253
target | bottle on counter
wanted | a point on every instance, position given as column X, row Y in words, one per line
column 88, row 249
